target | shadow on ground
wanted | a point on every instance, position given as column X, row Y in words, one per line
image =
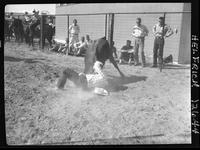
column 26, row 60
column 118, row 83
column 173, row 66
column 121, row 140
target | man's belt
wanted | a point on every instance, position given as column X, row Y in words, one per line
column 159, row 37
column 140, row 37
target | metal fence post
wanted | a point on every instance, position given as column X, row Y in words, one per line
column 68, row 33
column 42, row 21
column 106, row 26
column 163, row 34
column 68, row 26
column 110, row 29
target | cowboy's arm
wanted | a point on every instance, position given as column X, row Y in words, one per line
column 154, row 30
column 123, row 50
column 70, row 28
column 169, row 32
column 81, row 45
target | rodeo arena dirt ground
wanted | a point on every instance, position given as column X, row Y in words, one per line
column 146, row 107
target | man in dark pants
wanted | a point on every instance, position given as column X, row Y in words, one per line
column 159, row 41
column 79, row 80
column 139, row 33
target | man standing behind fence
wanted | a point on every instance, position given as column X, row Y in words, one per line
column 160, row 36
column 139, row 33
column 74, row 30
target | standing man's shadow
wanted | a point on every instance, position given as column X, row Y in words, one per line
column 118, row 83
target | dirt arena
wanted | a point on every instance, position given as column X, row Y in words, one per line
column 147, row 107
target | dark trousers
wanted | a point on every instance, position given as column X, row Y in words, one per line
column 139, row 46
column 158, row 50
column 73, row 76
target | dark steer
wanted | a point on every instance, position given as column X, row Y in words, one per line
column 99, row 50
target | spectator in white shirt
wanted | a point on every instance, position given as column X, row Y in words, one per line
column 139, row 33
column 74, row 31
column 27, row 18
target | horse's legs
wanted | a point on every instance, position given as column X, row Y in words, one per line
column 26, row 39
column 32, row 43
column 29, row 40
column 22, row 37
column 16, row 37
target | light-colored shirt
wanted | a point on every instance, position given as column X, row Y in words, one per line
column 88, row 42
column 80, row 44
column 74, row 29
column 97, row 77
column 140, row 31
column 34, row 18
column 158, row 30
column 52, row 25
column 11, row 18
column 27, row 18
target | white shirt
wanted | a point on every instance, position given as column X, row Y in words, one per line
column 74, row 29
column 158, row 30
column 97, row 77
column 140, row 31
column 27, row 18
column 80, row 44
column 34, row 18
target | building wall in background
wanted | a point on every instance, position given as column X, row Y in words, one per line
column 94, row 25
column 118, row 8
column 123, row 27
column 184, row 56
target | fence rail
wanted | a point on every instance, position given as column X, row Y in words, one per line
column 123, row 13
column 123, row 22
column 98, row 25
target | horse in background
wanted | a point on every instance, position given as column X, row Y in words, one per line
column 18, row 29
column 8, row 30
column 30, row 31
column 33, row 31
